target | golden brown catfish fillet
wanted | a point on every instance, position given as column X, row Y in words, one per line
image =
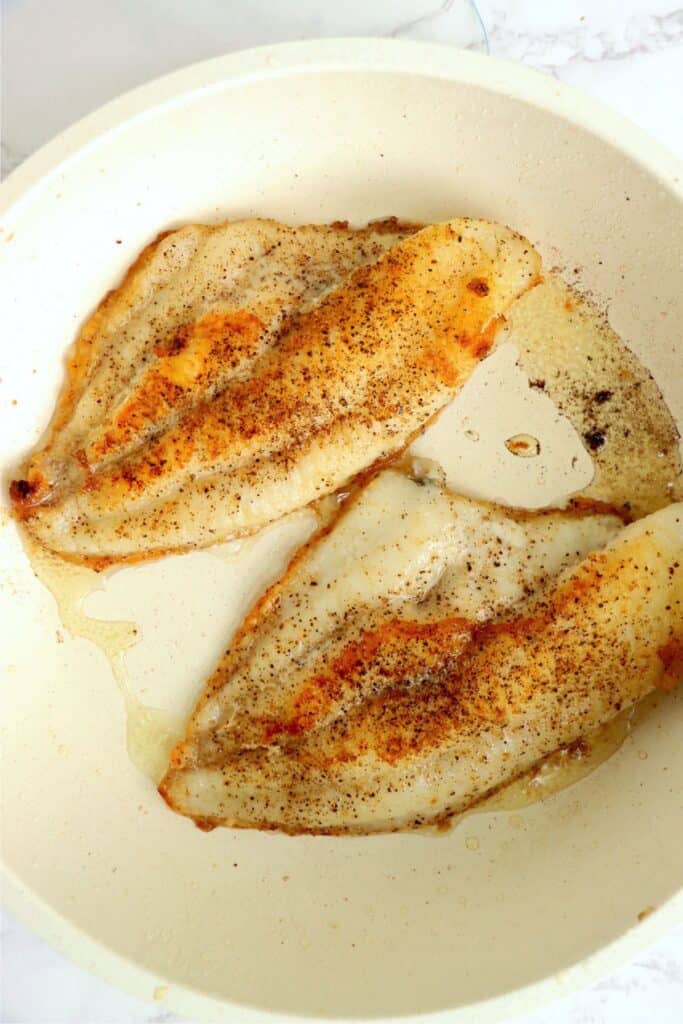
column 406, row 569
column 492, row 700
column 195, row 310
column 345, row 384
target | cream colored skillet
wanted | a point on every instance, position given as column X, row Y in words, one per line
column 493, row 917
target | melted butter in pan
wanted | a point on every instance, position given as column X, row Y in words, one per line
column 150, row 732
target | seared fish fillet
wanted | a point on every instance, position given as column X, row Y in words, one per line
column 567, row 346
column 407, row 569
column 345, row 384
column 196, row 309
column 408, row 709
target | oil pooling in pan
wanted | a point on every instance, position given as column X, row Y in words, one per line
column 150, row 732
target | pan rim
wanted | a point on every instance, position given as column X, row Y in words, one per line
column 428, row 60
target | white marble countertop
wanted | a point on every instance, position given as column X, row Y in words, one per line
column 628, row 53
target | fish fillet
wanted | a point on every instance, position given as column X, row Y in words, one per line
column 568, row 349
column 345, row 384
column 196, row 309
column 430, row 677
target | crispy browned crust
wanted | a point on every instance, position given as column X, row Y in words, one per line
column 79, row 360
column 33, row 488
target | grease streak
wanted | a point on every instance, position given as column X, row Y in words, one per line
column 151, row 732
